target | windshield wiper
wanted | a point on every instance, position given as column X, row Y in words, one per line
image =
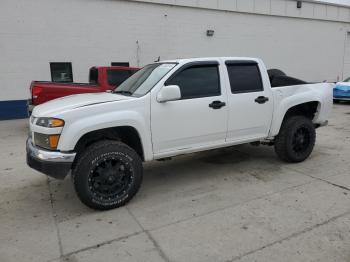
column 123, row 92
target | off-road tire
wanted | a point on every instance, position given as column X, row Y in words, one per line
column 92, row 159
column 285, row 142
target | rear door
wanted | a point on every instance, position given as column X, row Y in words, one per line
column 250, row 102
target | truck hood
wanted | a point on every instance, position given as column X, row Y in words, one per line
column 59, row 105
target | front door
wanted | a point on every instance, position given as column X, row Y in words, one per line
column 198, row 119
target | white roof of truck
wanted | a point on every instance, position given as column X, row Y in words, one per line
column 196, row 59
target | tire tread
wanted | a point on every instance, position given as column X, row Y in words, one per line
column 90, row 152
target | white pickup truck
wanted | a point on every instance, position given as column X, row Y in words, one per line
column 171, row 108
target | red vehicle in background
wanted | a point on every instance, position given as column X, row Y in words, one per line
column 101, row 79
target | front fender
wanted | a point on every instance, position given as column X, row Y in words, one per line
column 74, row 131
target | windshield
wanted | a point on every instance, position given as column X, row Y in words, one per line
column 144, row 80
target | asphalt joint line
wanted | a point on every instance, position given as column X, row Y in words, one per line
column 155, row 243
column 321, row 179
column 333, row 184
column 294, row 235
column 54, row 215
column 68, row 255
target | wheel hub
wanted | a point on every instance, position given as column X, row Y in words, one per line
column 110, row 178
column 301, row 140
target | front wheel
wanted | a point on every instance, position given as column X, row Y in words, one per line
column 296, row 139
column 107, row 175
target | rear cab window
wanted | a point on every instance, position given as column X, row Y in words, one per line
column 93, row 76
column 197, row 80
column 244, row 76
column 116, row 77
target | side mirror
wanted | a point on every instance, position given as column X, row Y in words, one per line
column 169, row 93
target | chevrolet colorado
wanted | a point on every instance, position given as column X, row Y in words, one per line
column 171, row 108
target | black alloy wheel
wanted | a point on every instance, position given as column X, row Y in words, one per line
column 110, row 178
column 301, row 140
column 107, row 175
column 296, row 139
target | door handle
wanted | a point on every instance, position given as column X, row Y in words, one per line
column 261, row 99
column 217, row 104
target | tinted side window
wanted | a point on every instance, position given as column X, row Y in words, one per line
column 244, row 78
column 197, row 81
column 116, row 77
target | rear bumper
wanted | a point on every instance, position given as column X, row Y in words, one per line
column 30, row 107
column 51, row 163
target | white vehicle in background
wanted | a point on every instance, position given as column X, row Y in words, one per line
column 167, row 109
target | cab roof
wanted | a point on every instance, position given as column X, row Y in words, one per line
column 195, row 59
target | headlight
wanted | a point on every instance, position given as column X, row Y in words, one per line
column 49, row 122
column 46, row 141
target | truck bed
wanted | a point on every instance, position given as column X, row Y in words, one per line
column 64, row 84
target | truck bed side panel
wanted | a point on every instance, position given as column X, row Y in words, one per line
column 289, row 96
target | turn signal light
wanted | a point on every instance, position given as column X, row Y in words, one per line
column 53, row 141
column 57, row 122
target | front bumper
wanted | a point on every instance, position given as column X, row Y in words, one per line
column 52, row 163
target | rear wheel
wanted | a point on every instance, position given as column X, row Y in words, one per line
column 107, row 175
column 336, row 101
column 296, row 139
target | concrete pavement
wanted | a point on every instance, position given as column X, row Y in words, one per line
column 235, row 204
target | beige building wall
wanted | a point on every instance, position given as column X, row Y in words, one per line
column 308, row 43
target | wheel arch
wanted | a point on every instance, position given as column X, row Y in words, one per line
column 309, row 109
column 126, row 134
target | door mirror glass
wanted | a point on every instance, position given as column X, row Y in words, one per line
column 169, row 93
